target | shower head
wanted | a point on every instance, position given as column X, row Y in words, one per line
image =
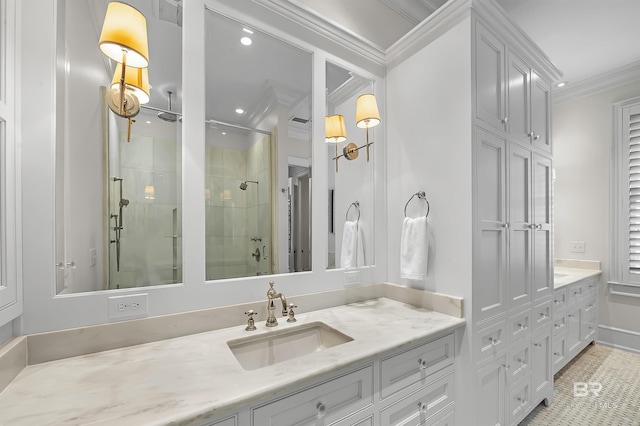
column 243, row 185
column 168, row 115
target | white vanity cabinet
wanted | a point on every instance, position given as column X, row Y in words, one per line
column 575, row 319
column 412, row 386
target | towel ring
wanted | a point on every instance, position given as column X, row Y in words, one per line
column 422, row 196
column 357, row 206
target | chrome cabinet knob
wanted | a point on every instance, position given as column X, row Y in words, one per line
column 321, row 409
column 422, row 364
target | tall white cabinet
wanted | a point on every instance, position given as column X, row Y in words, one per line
column 512, row 245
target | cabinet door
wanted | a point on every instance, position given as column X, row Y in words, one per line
column 519, row 219
column 489, row 260
column 574, row 322
column 518, row 96
column 540, row 113
column 542, row 247
column 542, row 366
column 489, row 78
column 491, row 382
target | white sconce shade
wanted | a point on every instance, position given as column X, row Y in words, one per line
column 124, row 35
column 149, row 192
column 136, row 80
column 334, row 129
column 367, row 114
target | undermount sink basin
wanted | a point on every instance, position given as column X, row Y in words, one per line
column 255, row 352
column 557, row 276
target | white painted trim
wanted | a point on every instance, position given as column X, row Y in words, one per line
column 624, row 289
column 326, row 27
column 619, row 338
column 627, row 74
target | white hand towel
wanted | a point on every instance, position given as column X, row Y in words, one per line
column 352, row 253
column 414, row 248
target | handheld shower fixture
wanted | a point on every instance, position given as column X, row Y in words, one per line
column 243, row 185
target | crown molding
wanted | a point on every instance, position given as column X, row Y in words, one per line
column 320, row 24
column 438, row 23
column 611, row 79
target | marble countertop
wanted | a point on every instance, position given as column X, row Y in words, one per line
column 564, row 276
column 190, row 379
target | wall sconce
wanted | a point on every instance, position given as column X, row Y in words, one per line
column 124, row 39
column 149, row 192
column 335, row 132
column 367, row 116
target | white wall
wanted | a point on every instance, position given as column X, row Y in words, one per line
column 6, row 332
column 582, row 138
column 429, row 149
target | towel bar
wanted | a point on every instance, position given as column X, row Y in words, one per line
column 422, row 196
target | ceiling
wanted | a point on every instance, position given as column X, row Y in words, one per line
column 583, row 38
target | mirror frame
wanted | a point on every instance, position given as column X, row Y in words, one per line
column 43, row 310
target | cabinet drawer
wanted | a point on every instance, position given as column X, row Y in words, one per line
column 413, row 366
column 559, row 349
column 519, row 361
column 329, row 401
column 589, row 325
column 520, row 326
column 519, row 400
column 231, row 421
column 559, row 323
column 446, row 417
column 559, row 300
column 590, row 307
column 490, row 340
column 590, row 288
column 419, row 406
column 542, row 315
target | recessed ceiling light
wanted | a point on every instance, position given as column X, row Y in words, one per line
column 224, row 133
column 239, row 110
column 246, row 41
column 247, row 30
column 561, row 84
column 148, row 122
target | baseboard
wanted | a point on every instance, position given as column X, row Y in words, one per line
column 619, row 338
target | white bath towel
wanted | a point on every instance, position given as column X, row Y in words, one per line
column 352, row 253
column 414, row 248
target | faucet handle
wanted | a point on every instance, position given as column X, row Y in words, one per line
column 250, row 322
column 292, row 314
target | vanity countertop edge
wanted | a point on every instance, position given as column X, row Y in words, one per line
column 191, row 379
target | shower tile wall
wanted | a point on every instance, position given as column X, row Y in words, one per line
column 234, row 216
column 150, row 234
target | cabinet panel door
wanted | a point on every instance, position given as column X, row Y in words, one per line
column 519, row 218
column 574, row 321
column 542, row 367
column 489, row 78
column 540, row 113
column 542, row 244
column 518, row 99
column 491, row 382
column 489, row 260
column 559, row 352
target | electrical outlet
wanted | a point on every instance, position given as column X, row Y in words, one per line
column 128, row 306
column 351, row 278
column 577, row 246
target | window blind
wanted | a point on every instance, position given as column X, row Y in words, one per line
column 634, row 192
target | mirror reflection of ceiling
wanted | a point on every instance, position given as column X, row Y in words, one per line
column 252, row 71
column 382, row 22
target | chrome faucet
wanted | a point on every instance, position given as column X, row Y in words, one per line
column 271, row 306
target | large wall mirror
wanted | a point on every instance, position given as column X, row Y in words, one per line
column 118, row 183
column 118, row 188
column 350, row 181
column 257, row 152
